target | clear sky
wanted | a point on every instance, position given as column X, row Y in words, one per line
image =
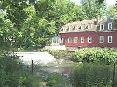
column 109, row 2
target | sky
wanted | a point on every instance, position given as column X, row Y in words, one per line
column 108, row 2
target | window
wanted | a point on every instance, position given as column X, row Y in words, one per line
column 54, row 40
column 90, row 26
column 101, row 26
column 67, row 28
column 73, row 28
column 82, row 26
column 109, row 26
column 61, row 40
column 75, row 39
column 70, row 40
column 82, row 39
column 101, row 39
column 89, row 39
column 109, row 39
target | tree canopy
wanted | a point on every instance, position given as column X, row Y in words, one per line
column 93, row 8
column 112, row 12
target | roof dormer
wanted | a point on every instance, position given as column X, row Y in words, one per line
column 83, row 26
column 110, row 26
column 101, row 27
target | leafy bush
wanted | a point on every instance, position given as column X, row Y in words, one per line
column 100, row 55
column 95, row 67
column 92, row 75
column 55, row 80
column 62, row 54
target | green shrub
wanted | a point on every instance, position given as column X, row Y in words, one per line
column 92, row 75
column 62, row 54
column 55, row 80
column 95, row 67
column 100, row 55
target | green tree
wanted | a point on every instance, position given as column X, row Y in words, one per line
column 93, row 9
column 7, row 32
column 112, row 12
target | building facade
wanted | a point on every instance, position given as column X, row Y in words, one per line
column 90, row 33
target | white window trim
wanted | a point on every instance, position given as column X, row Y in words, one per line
column 101, row 26
column 68, row 29
column 82, row 39
column 90, row 26
column 110, row 24
column 73, row 28
column 69, row 40
column 100, row 39
column 89, row 39
column 75, row 39
column 111, row 39
column 61, row 40
column 82, row 26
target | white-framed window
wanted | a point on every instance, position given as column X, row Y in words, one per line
column 61, row 40
column 70, row 40
column 109, row 26
column 101, row 39
column 110, row 39
column 73, row 28
column 82, row 39
column 101, row 26
column 68, row 28
column 75, row 39
column 89, row 39
column 90, row 26
column 82, row 26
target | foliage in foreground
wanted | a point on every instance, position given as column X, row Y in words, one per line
column 95, row 67
column 55, row 80
column 15, row 74
column 93, row 75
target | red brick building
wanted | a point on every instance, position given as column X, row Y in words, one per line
column 90, row 33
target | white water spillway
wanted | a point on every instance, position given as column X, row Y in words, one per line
column 37, row 57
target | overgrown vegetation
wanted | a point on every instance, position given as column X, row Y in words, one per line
column 13, row 73
column 95, row 67
column 93, row 75
column 55, row 80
